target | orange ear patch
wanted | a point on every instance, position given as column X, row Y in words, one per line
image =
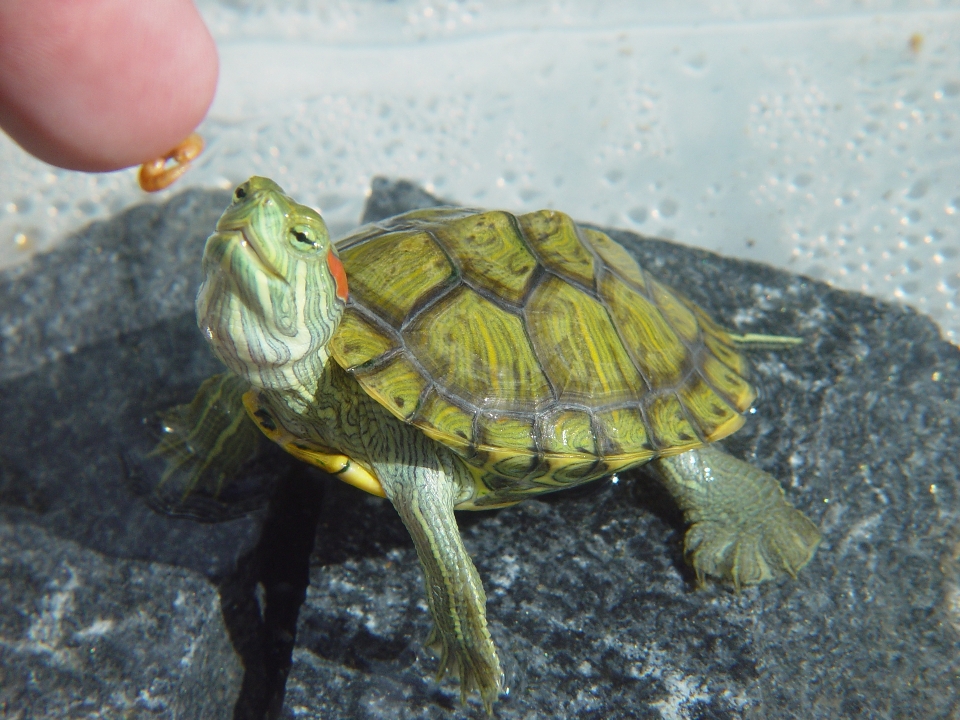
column 339, row 275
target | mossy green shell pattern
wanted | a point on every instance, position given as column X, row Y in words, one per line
column 538, row 350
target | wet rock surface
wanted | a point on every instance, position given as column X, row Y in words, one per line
column 85, row 635
column 107, row 607
column 589, row 600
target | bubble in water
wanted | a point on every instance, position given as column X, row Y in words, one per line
column 668, row 208
column 614, row 176
column 918, row 189
column 911, row 217
column 638, row 214
column 88, row 207
column 697, row 63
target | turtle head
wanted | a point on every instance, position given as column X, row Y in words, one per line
column 273, row 289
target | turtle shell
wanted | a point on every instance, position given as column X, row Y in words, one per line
column 533, row 347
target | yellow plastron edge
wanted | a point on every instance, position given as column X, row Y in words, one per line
column 338, row 464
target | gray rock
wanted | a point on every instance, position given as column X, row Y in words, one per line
column 112, row 277
column 590, row 602
column 95, row 339
column 99, row 337
column 393, row 197
column 594, row 611
column 83, row 635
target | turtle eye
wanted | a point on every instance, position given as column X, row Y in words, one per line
column 240, row 193
column 303, row 237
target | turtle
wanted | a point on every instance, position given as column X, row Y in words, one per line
column 460, row 359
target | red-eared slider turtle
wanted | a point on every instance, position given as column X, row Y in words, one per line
column 480, row 358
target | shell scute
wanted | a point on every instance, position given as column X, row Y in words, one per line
column 624, row 431
column 737, row 391
column 436, row 411
column 519, row 467
column 617, row 259
column 417, row 268
column 569, row 430
column 554, row 238
column 360, row 340
column 672, row 430
column 491, row 253
column 724, row 350
column 397, row 384
column 683, row 322
column 579, row 347
column 712, row 414
column 423, row 218
column 492, row 364
column 646, row 333
column 576, row 472
column 507, row 432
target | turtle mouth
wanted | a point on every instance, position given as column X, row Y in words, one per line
column 250, row 250
column 234, row 226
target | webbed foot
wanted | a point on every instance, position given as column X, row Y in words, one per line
column 752, row 549
column 475, row 663
column 203, row 445
column 742, row 529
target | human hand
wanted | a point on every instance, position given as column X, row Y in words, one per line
column 100, row 85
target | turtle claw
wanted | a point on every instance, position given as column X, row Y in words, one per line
column 758, row 548
column 477, row 668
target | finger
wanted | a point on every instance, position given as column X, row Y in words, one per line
column 100, row 85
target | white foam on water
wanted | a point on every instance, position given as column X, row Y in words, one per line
column 822, row 140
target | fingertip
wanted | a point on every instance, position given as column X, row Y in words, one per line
column 103, row 84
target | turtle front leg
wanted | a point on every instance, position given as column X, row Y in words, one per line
column 423, row 489
column 742, row 528
column 205, row 442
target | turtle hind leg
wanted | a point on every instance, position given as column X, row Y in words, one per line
column 742, row 529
